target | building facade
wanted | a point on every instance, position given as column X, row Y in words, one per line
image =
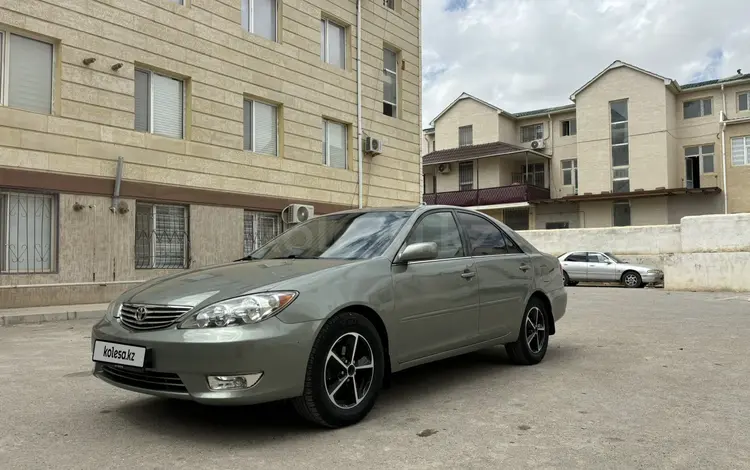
column 216, row 114
column 634, row 148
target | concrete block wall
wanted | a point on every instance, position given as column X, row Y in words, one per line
column 702, row 253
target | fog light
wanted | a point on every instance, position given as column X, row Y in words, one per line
column 232, row 382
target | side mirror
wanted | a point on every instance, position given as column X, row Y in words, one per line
column 418, row 252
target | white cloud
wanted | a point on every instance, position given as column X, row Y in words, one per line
column 526, row 54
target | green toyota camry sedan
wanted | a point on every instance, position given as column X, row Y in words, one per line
column 323, row 313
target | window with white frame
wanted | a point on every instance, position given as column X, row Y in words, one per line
column 28, row 232
column 532, row 132
column 465, row 136
column 618, row 112
column 26, row 73
column 261, row 127
column 568, row 127
column 743, row 101
column 260, row 228
column 259, row 17
column 332, row 43
column 162, row 238
column 696, row 108
column 334, row 144
column 466, row 176
column 390, row 82
column 159, row 104
column 706, row 155
column 740, row 151
column 570, row 172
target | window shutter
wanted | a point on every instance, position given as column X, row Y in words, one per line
column 29, row 232
column 336, row 144
column 142, row 91
column 336, row 45
column 248, row 125
column 169, row 246
column 167, row 104
column 265, row 128
column 264, row 18
column 245, row 13
column 30, row 75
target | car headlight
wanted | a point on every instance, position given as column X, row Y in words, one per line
column 113, row 309
column 238, row 311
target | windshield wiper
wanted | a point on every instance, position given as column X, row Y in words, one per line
column 293, row 257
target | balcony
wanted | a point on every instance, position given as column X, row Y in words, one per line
column 489, row 196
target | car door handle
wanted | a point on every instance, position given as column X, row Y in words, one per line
column 468, row 274
column 524, row 267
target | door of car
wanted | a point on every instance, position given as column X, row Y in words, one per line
column 436, row 301
column 575, row 264
column 600, row 268
column 504, row 273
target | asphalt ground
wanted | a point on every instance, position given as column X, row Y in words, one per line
column 638, row 378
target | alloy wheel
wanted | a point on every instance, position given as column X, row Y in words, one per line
column 536, row 330
column 631, row 280
column 349, row 370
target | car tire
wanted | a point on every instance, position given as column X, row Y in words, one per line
column 526, row 351
column 331, row 369
column 566, row 279
column 631, row 279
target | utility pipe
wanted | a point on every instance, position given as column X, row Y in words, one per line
column 723, row 125
column 359, row 98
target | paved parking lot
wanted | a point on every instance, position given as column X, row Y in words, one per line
column 633, row 379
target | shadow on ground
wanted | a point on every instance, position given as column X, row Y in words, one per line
column 271, row 421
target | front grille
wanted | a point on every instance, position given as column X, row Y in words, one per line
column 159, row 381
column 156, row 316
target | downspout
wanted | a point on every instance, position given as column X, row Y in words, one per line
column 359, row 98
column 552, row 151
column 723, row 126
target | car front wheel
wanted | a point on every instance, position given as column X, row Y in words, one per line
column 344, row 372
column 531, row 345
column 631, row 279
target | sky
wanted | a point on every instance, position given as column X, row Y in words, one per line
column 522, row 55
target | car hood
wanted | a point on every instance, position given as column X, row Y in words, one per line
column 637, row 267
column 225, row 281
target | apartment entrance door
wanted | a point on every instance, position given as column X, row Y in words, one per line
column 692, row 172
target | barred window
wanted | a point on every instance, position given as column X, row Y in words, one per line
column 162, row 240
column 28, row 232
column 260, row 228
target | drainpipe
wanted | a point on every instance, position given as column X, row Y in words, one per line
column 723, row 126
column 552, row 152
column 359, row 98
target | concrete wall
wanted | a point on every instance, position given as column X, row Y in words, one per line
column 710, row 252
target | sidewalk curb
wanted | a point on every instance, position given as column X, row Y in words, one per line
column 36, row 318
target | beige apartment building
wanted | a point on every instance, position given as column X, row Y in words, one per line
column 633, row 148
column 144, row 137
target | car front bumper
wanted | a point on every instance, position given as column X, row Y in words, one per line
column 653, row 278
column 179, row 361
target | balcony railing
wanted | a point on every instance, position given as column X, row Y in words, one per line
column 489, row 196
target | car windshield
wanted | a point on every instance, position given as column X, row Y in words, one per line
column 613, row 257
column 356, row 235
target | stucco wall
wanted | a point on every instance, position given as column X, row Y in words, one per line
column 701, row 253
column 467, row 112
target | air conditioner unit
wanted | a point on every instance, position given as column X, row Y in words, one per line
column 373, row 145
column 298, row 213
column 537, row 144
column 444, row 168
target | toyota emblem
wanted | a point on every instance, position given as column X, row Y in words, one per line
column 141, row 313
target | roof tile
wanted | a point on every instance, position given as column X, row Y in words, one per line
column 469, row 152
